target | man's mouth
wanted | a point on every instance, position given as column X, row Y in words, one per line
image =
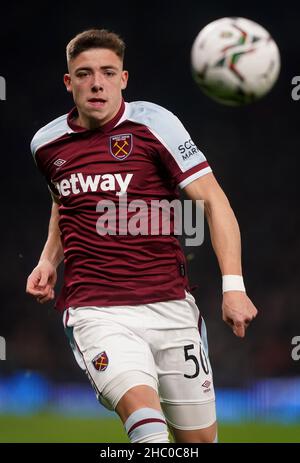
column 97, row 102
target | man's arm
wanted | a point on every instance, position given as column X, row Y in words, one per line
column 42, row 279
column 238, row 310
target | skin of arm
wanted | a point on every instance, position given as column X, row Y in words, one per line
column 237, row 308
column 42, row 279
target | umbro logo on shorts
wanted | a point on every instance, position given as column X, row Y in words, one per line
column 206, row 384
column 100, row 362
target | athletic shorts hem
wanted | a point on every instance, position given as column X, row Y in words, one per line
column 185, row 401
column 119, row 397
column 107, row 383
column 191, row 428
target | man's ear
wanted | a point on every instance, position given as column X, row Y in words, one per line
column 67, row 82
column 124, row 80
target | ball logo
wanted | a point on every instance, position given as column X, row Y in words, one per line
column 120, row 146
column 100, row 362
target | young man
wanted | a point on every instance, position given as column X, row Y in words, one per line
column 133, row 324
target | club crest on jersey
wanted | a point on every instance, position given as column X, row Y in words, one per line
column 120, row 146
column 100, row 362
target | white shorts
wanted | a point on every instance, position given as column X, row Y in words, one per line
column 163, row 345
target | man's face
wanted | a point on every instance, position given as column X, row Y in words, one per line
column 96, row 80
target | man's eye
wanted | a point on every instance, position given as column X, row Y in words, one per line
column 82, row 74
column 110, row 73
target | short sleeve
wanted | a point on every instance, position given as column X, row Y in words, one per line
column 181, row 157
column 179, row 154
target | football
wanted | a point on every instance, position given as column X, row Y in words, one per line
column 235, row 61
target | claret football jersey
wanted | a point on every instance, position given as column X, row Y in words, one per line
column 109, row 181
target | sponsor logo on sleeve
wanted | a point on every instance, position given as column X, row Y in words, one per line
column 188, row 149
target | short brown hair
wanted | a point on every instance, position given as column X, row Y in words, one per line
column 95, row 38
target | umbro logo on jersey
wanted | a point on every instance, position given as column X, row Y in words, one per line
column 121, row 146
column 59, row 162
column 100, row 362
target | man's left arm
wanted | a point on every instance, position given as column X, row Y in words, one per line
column 238, row 310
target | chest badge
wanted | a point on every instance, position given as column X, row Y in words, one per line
column 120, row 146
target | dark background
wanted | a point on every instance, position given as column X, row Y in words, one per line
column 253, row 150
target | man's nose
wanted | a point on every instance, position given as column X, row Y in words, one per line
column 97, row 84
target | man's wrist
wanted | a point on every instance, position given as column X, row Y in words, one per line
column 233, row 283
column 54, row 262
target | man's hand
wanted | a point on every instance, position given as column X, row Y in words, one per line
column 238, row 311
column 41, row 281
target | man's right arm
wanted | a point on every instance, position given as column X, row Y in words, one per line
column 42, row 279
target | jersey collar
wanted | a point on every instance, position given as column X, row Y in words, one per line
column 73, row 114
